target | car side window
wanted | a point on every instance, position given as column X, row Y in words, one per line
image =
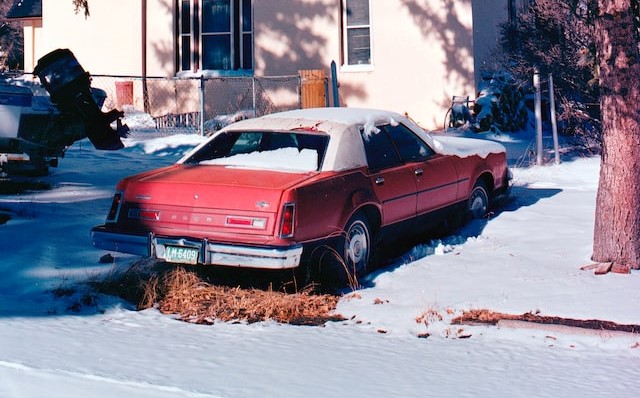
column 380, row 151
column 410, row 147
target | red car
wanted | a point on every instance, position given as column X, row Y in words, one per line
column 284, row 190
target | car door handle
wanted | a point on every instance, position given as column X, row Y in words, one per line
column 380, row 181
column 418, row 172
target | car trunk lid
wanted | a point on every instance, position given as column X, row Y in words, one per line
column 209, row 199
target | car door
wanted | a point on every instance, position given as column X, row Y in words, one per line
column 393, row 181
column 434, row 175
column 437, row 184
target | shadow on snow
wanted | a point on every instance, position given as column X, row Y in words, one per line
column 72, row 297
column 521, row 196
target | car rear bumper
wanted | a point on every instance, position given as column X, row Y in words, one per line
column 209, row 253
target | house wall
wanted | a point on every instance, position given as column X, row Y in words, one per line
column 422, row 50
column 160, row 38
column 32, row 31
column 422, row 55
column 109, row 41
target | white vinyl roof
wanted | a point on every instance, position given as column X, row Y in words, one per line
column 345, row 150
column 343, row 125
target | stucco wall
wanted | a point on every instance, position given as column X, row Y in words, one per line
column 294, row 35
column 32, row 31
column 422, row 55
column 109, row 40
column 160, row 38
column 422, row 50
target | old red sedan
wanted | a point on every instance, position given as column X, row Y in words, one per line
column 289, row 189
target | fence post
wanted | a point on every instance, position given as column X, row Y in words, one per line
column 253, row 95
column 202, row 84
column 554, row 124
column 538, row 113
column 334, row 84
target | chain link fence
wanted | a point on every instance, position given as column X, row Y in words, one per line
column 176, row 104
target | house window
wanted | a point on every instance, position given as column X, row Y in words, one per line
column 356, row 32
column 215, row 35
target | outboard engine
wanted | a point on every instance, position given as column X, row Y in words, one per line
column 70, row 89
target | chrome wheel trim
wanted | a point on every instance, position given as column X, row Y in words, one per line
column 478, row 202
column 357, row 245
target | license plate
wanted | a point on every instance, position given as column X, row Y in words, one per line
column 180, row 254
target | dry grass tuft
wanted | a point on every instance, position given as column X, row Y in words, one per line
column 200, row 302
column 175, row 290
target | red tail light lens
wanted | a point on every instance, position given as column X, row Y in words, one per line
column 115, row 207
column 288, row 220
column 152, row 215
column 246, row 222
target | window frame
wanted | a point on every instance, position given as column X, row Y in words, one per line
column 398, row 133
column 393, row 135
column 344, row 39
column 196, row 37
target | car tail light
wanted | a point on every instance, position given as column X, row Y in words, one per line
column 144, row 214
column 115, row 207
column 288, row 220
column 152, row 215
column 246, row 222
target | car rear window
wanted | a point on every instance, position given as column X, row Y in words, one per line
column 273, row 150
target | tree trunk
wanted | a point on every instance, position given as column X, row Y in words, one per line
column 617, row 221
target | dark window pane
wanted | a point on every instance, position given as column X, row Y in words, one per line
column 410, row 146
column 185, row 17
column 358, row 45
column 357, row 12
column 185, row 53
column 246, row 16
column 380, row 151
column 247, row 51
column 216, row 16
column 237, row 53
column 216, row 52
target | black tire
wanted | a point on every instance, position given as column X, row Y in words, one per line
column 343, row 263
column 478, row 202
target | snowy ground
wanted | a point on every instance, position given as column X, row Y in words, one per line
column 526, row 258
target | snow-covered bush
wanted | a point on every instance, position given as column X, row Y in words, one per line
column 500, row 105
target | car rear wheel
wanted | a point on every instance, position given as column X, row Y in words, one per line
column 341, row 264
column 357, row 246
column 478, row 203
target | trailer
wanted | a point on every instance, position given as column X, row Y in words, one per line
column 39, row 120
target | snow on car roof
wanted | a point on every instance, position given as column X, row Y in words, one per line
column 359, row 116
column 329, row 120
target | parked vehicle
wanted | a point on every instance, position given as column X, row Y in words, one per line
column 40, row 121
column 284, row 190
